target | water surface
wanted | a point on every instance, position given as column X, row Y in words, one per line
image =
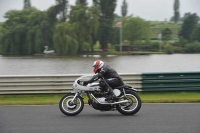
column 45, row 65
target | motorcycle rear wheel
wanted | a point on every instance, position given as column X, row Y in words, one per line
column 133, row 106
column 70, row 108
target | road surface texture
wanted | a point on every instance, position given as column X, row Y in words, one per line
column 152, row 118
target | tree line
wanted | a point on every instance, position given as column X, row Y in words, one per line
column 71, row 30
column 189, row 34
column 68, row 32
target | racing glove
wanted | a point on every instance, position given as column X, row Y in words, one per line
column 85, row 83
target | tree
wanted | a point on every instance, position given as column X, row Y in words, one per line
column 188, row 26
column 135, row 29
column 186, row 15
column 27, row 4
column 196, row 34
column 15, row 32
column 65, row 39
column 86, row 19
column 26, row 32
column 166, row 34
column 124, row 8
column 107, row 8
column 63, row 5
column 94, row 24
column 176, row 11
column 83, row 2
column 48, row 25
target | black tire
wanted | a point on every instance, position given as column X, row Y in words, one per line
column 70, row 109
column 135, row 100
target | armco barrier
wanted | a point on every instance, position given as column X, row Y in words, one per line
column 173, row 81
column 52, row 84
column 55, row 84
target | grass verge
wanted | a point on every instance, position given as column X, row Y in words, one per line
column 48, row 99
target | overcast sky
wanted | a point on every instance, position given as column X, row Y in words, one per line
column 146, row 9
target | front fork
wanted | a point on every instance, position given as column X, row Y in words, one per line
column 76, row 95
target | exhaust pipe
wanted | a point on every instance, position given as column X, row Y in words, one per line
column 102, row 103
column 125, row 101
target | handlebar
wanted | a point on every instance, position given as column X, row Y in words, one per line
column 80, row 82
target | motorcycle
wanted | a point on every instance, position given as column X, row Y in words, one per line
column 125, row 98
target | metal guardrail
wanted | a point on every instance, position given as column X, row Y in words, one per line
column 173, row 81
column 55, row 84
column 50, row 84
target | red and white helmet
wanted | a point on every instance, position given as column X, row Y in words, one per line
column 97, row 65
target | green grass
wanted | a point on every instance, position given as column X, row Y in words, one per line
column 48, row 99
column 158, row 26
column 171, row 97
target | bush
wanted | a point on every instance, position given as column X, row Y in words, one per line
column 169, row 48
column 178, row 49
column 193, row 47
column 97, row 46
column 182, row 42
column 154, row 46
column 141, row 47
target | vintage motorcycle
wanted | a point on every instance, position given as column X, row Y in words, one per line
column 126, row 99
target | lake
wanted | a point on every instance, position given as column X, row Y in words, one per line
column 48, row 65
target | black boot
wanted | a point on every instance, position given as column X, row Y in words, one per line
column 111, row 97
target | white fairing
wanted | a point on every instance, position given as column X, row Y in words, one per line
column 89, row 87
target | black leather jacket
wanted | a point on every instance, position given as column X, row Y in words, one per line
column 107, row 72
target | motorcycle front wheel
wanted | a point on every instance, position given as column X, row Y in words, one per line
column 133, row 105
column 69, row 107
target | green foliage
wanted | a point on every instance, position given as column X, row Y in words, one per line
column 124, row 8
column 63, row 6
column 166, row 34
column 135, row 29
column 176, row 11
column 169, row 48
column 193, row 47
column 196, row 34
column 83, row 2
column 97, row 46
column 107, row 8
column 188, row 26
column 182, row 42
column 65, row 39
column 158, row 26
column 87, row 24
column 14, row 32
column 94, row 24
column 27, row 4
column 26, row 32
column 154, row 46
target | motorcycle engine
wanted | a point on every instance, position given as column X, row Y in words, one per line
column 101, row 107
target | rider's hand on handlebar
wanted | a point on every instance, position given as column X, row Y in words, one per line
column 85, row 83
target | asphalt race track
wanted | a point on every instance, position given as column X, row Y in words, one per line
column 152, row 118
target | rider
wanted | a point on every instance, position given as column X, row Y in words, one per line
column 111, row 77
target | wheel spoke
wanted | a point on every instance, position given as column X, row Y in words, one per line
column 132, row 103
column 71, row 106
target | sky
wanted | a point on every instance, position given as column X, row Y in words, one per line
column 154, row 10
